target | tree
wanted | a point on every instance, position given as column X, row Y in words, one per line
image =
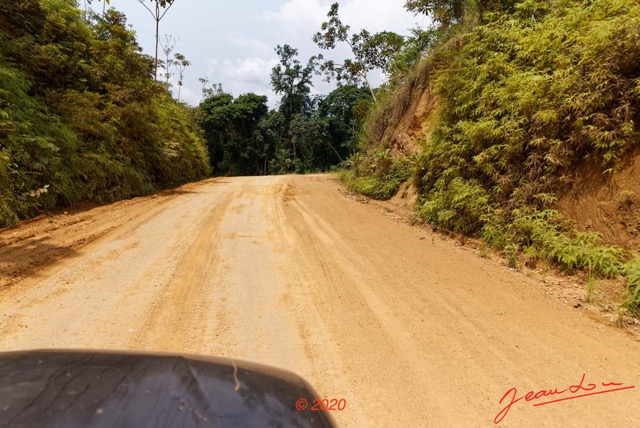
column 342, row 109
column 293, row 80
column 233, row 135
column 181, row 64
column 269, row 134
column 449, row 12
column 312, row 137
column 416, row 46
column 169, row 45
column 158, row 11
column 215, row 89
column 370, row 52
column 444, row 12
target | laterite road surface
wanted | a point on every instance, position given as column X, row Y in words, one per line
column 289, row 271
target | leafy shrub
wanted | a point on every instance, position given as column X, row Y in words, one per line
column 382, row 186
column 632, row 273
column 549, row 236
column 458, row 205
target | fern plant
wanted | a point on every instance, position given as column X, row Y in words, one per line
column 632, row 273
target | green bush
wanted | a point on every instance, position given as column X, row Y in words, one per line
column 458, row 205
column 381, row 186
column 524, row 99
column 547, row 235
column 632, row 273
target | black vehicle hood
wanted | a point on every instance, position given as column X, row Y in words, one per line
column 77, row 389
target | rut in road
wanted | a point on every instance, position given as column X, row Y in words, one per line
column 290, row 272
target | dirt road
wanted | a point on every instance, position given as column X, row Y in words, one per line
column 289, row 271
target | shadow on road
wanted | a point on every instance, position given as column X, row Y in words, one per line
column 27, row 258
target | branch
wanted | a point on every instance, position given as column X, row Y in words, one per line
column 166, row 10
column 146, row 7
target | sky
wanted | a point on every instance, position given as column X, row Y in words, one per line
column 232, row 42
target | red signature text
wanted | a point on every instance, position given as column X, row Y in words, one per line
column 575, row 391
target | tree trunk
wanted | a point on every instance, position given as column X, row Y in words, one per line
column 336, row 152
column 157, row 41
column 166, row 75
column 366, row 79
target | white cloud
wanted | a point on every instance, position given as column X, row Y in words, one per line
column 306, row 16
column 377, row 15
column 242, row 36
column 239, row 76
column 297, row 17
column 251, row 46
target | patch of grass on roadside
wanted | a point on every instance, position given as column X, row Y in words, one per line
column 632, row 273
column 380, row 186
column 544, row 236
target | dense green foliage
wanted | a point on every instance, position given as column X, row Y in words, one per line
column 533, row 94
column 527, row 93
column 231, row 130
column 304, row 134
column 451, row 12
column 528, row 99
column 81, row 119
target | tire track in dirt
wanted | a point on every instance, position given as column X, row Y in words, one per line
column 287, row 271
column 183, row 303
column 446, row 331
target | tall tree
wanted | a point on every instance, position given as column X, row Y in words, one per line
column 168, row 46
column 232, row 132
column 158, row 10
column 370, row 52
column 293, row 80
column 215, row 89
column 345, row 108
column 181, row 64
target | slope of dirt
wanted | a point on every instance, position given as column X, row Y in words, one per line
column 608, row 204
column 402, row 121
column 413, row 123
column 288, row 271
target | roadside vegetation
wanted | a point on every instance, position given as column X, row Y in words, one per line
column 81, row 118
column 527, row 93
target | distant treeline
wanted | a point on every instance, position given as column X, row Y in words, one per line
column 81, row 118
column 306, row 133
column 245, row 138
